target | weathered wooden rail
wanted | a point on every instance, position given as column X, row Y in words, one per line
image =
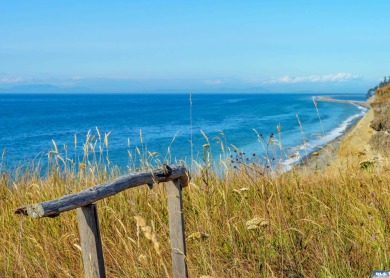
column 175, row 178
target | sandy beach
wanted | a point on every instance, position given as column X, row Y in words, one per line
column 328, row 154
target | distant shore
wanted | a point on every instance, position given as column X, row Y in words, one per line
column 331, row 99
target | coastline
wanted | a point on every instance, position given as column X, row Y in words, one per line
column 328, row 153
column 365, row 104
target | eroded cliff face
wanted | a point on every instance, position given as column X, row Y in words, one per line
column 380, row 139
column 368, row 143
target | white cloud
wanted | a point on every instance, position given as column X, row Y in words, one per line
column 338, row 77
column 9, row 80
column 214, row 82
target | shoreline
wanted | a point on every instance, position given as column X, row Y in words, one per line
column 326, row 154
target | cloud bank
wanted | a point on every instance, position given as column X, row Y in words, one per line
column 338, row 77
column 10, row 80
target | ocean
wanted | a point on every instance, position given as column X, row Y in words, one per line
column 159, row 127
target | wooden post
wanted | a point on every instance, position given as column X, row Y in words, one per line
column 176, row 229
column 91, row 244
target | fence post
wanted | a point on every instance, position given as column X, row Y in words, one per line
column 176, row 229
column 91, row 244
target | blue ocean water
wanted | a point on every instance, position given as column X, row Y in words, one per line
column 29, row 123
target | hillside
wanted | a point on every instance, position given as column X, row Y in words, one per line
column 369, row 141
column 380, row 139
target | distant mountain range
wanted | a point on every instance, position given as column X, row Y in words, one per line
column 164, row 88
column 44, row 89
column 51, row 89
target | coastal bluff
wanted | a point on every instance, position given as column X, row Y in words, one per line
column 369, row 141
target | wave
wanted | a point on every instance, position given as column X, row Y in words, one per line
column 303, row 150
column 234, row 100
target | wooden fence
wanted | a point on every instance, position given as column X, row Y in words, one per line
column 175, row 178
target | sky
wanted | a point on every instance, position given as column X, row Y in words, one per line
column 128, row 46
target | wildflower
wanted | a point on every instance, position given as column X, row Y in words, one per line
column 142, row 259
column 256, row 223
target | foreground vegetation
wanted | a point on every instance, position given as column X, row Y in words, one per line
column 330, row 223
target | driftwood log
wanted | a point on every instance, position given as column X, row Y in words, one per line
column 92, row 194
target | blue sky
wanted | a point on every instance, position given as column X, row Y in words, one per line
column 281, row 46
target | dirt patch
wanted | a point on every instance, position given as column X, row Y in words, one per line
column 380, row 139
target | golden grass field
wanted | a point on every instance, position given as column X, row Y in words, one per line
column 325, row 223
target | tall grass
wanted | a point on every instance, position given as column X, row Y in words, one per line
column 244, row 223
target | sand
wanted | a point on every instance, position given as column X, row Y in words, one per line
column 347, row 150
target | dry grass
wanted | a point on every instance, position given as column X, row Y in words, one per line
column 241, row 224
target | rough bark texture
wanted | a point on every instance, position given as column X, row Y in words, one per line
column 92, row 194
